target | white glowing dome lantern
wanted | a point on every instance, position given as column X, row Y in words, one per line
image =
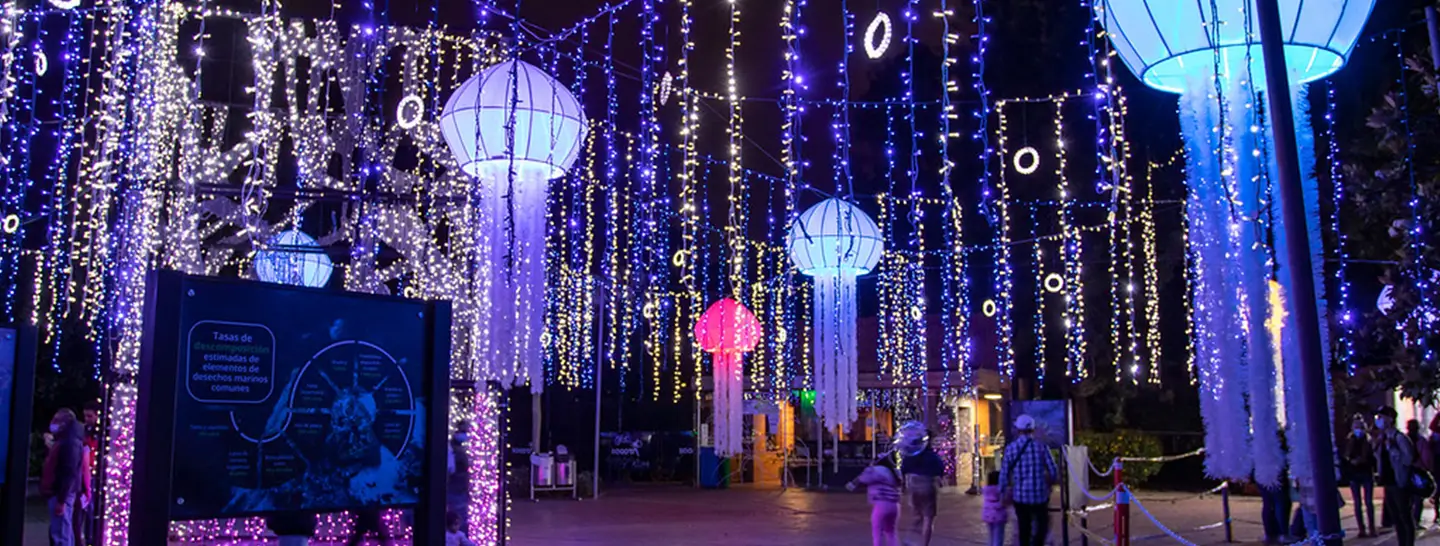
column 294, row 258
column 834, row 242
column 1167, row 42
column 835, row 236
column 549, row 121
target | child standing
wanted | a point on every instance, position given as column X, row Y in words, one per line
column 882, row 482
column 995, row 510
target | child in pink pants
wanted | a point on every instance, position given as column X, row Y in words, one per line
column 882, row 486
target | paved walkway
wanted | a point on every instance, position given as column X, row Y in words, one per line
column 646, row 516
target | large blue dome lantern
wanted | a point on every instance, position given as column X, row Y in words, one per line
column 1209, row 53
column 834, row 242
column 1167, row 43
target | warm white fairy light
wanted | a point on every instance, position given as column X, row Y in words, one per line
column 65, row 4
column 880, row 25
column 666, row 83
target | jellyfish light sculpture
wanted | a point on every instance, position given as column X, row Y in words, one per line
column 727, row 330
column 293, row 257
column 834, row 242
column 1209, row 53
column 514, row 128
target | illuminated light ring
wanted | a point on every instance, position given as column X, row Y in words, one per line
column 42, row 62
column 915, row 312
column 411, row 292
column 65, row 4
column 665, row 84
column 410, row 103
column 872, row 50
column 781, row 334
column 648, row 311
column 1021, row 165
column 1054, row 283
column 989, row 308
column 679, row 259
column 11, row 224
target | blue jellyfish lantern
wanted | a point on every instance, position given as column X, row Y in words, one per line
column 514, row 128
column 835, row 242
column 1209, row 53
column 293, row 257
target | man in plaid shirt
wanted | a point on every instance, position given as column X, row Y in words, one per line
column 1028, row 472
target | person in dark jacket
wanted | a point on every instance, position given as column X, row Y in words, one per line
column 1395, row 457
column 1359, row 457
column 60, row 478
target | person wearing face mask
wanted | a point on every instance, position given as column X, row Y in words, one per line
column 1359, row 457
column 457, row 489
column 1395, row 455
column 62, row 474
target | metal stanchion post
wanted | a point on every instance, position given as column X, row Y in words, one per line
column 1122, row 506
column 1225, row 505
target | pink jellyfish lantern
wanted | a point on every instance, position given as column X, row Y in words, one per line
column 727, row 330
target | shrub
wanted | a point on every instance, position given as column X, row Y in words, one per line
column 1106, row 446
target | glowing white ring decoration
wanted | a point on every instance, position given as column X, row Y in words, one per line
column 410, row 103
column 781, row 335
column 65, row 4
column 1034, row 162
column 411, row 292
column 665, row 84
column 871, row 49
column 648, row 311
column 12, row 223
column 988, row 308
column 1054, row 283
column 42, row 62
column 915, row 312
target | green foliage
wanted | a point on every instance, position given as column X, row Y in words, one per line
column 1106, row 446
column 1376, row 217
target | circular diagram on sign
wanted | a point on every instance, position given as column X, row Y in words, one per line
column 350, row 401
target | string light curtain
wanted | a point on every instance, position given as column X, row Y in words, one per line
column 1210, row 55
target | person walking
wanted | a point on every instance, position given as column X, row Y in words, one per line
column 1359, row 457
column 923, row 470
column 1395, row 456
column 84, row 509
column 1423, row 459
column 1434, row 444
column 1026, row 481
column 882, row 488
column 61, row 475
column 993, row 510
